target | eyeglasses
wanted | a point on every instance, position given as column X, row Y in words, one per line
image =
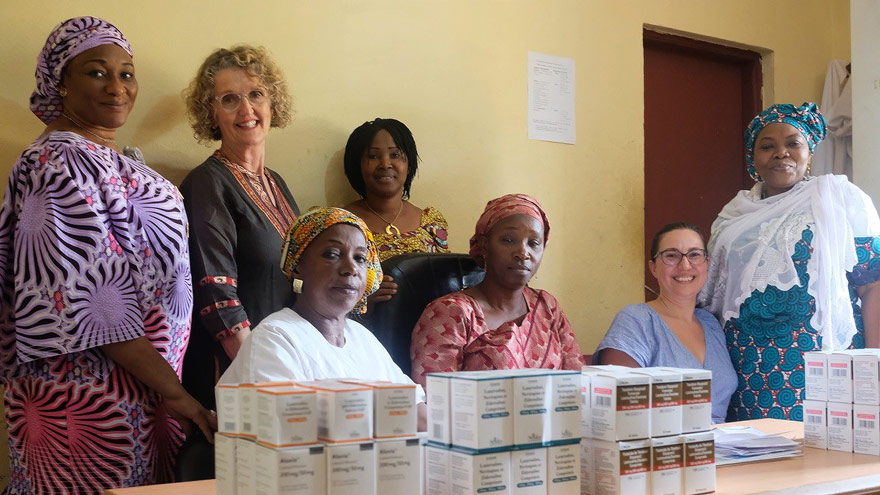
column 231, row 101
column 672, row 256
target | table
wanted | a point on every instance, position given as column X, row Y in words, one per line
column 817, row 472
column 204, row 487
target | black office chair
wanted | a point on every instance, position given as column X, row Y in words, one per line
column 421, row 278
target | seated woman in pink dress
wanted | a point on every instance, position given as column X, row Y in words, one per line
column 500, row 323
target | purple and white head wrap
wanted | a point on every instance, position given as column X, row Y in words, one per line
column 66, row 41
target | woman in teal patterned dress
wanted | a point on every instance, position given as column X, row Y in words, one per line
column 795, row 265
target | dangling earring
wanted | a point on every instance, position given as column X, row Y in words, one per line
column 809, row 169
column 62, row 91
column 297, row 286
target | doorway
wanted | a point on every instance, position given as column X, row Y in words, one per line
column 699, row 97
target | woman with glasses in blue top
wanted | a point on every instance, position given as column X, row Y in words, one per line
column 671, row 330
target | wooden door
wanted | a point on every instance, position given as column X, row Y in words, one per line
column 699, row 97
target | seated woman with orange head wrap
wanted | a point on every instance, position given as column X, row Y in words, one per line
column 500, row 323
column 333, row 266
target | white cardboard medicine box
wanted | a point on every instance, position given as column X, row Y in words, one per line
column 840, row 381
column 439, row 403
column 531, row 414
column 586, row 398
column 588, row 476
column 840, row 427
column 604, row 368
column 345, row 411
column 667, row 463
column 398, row 470
column 482, row 406
column 699, row 463
column 224, row 463
column 696, row 396
column 479, row 473
column 866, row 435
column 622, row 468
column 666, row 398
column 301, row 470
column 437, row 475
column 247, row 406
column 245, row 465
column 586, row 416
column 286, row 416
column 866, row 377
column 563, row 469
column 815, row 424
column 816, row 371
column 565, row 414
column 546, row 407
column 394, row 409
column 621, row 406
column 528, row 470
column 228, row 419
column 351, row 469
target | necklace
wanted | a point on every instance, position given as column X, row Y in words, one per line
column 390, row 225
column 255, row 179
column 222, row 157
column 82, row 127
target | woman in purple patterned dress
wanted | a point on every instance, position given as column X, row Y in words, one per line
column 95, row 291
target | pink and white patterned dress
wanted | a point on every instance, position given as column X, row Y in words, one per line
column 452, row 335
column 93, row 251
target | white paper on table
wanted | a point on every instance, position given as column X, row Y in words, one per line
column 736, row 444
column 551, row 98
column 721, row 460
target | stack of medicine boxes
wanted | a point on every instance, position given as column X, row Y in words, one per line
column 646, row 431
column 507, row 432
column 269, row 433
column 842, row 400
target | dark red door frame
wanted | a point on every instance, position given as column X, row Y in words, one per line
column 748, row 64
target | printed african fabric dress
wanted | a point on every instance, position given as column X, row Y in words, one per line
column 452, row 335
column 430, row 237
column 237, row 229
column 93, row 251
column 768, row 340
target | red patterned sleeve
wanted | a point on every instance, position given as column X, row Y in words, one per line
column 572, row 358
column 438, row 228
column 439, row 338
column 213, row 245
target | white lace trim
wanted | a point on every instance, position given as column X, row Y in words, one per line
column 753, row 241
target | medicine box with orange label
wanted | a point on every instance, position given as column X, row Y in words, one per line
column 345, row 411
column 286, row 416
column 394, row 409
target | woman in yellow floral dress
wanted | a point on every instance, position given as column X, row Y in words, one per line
column 380, row 162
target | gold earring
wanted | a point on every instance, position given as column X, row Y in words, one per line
column 297, row 286
column 62, row 91
column 809, row 169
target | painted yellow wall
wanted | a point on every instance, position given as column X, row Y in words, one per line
column 455, row 72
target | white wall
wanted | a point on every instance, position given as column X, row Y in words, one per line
column 865, row 32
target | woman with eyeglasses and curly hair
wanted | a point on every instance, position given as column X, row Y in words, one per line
column 239, row 210
column 671, row 330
